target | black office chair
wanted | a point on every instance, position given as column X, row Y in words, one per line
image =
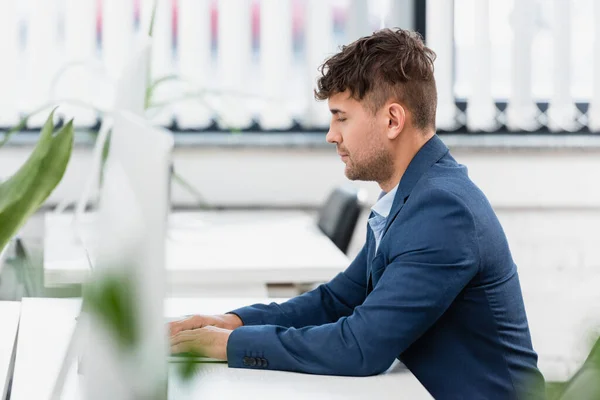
column 339, row 215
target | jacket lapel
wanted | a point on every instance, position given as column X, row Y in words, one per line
column 429, row 154
column 370, row 252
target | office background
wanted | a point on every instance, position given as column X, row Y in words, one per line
column 519, row 104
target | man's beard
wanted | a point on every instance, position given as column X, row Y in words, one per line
column 378, row 167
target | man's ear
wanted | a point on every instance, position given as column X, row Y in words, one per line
column 396, row 120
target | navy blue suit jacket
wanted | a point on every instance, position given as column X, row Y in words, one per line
column 441, row 294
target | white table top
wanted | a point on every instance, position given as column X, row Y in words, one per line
column 40, row 353
column 232, row 247
column 9, row 315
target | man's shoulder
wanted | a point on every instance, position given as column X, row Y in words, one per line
column 444, row 194
column 436, row 215
column 449, row 182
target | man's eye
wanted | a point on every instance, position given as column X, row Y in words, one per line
column 341, row 119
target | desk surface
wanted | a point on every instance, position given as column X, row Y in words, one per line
column 40, row 352
column 232, row 247
column 9, row 315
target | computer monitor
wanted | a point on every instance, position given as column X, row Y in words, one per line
column 131, row 227
column 134, row 207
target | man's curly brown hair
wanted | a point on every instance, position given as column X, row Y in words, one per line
column 387, row 65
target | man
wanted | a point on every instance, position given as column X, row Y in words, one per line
column 435, row 284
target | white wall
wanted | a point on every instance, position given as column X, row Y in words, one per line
column 300, row 176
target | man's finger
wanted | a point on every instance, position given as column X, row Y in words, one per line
column 179, row 348
column 175, row 327
column 181, row 325
column 193, row 322
column 184, row 336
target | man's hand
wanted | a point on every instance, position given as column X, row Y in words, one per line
column 225, row 321
column 209, row 341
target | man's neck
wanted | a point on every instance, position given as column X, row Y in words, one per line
column 405, row 153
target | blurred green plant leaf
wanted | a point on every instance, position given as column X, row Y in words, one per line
column 585, row 384
column 152, row 18
column 112, row 299
column 17, row 128
column 105, row 152
column 201, row 201
column 188, row 367
column 24, row 192
column 149, row 90
column 153, row 85
column 24, row 120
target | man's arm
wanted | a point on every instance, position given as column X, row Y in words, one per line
column 327, row 303
column 433, row 264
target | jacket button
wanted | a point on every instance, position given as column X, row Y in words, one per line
column 265, row 363
column 246, row 361
column 253, row 362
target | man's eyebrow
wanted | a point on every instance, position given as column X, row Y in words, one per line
column 335, row 111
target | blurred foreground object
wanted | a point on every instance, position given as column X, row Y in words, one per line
column 585, row 384
column 121, row 336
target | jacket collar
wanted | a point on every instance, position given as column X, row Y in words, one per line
column 431, row 152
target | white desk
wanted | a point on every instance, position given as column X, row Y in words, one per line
column 40, row 352
column 213, row 253
column 9, row 315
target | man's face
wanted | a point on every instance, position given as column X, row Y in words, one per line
column 360, row 138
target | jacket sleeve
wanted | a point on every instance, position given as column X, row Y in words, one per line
column 428, row 270
column 327, row 303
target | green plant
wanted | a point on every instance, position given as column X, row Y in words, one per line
column 23, row 193
column 112, row 299
column 585, row 384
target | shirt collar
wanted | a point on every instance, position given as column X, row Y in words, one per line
column 385, row 202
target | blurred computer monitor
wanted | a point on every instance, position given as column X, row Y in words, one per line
column 130, row 248
column 132, row 228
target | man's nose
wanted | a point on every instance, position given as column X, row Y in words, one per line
column 332, row 137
